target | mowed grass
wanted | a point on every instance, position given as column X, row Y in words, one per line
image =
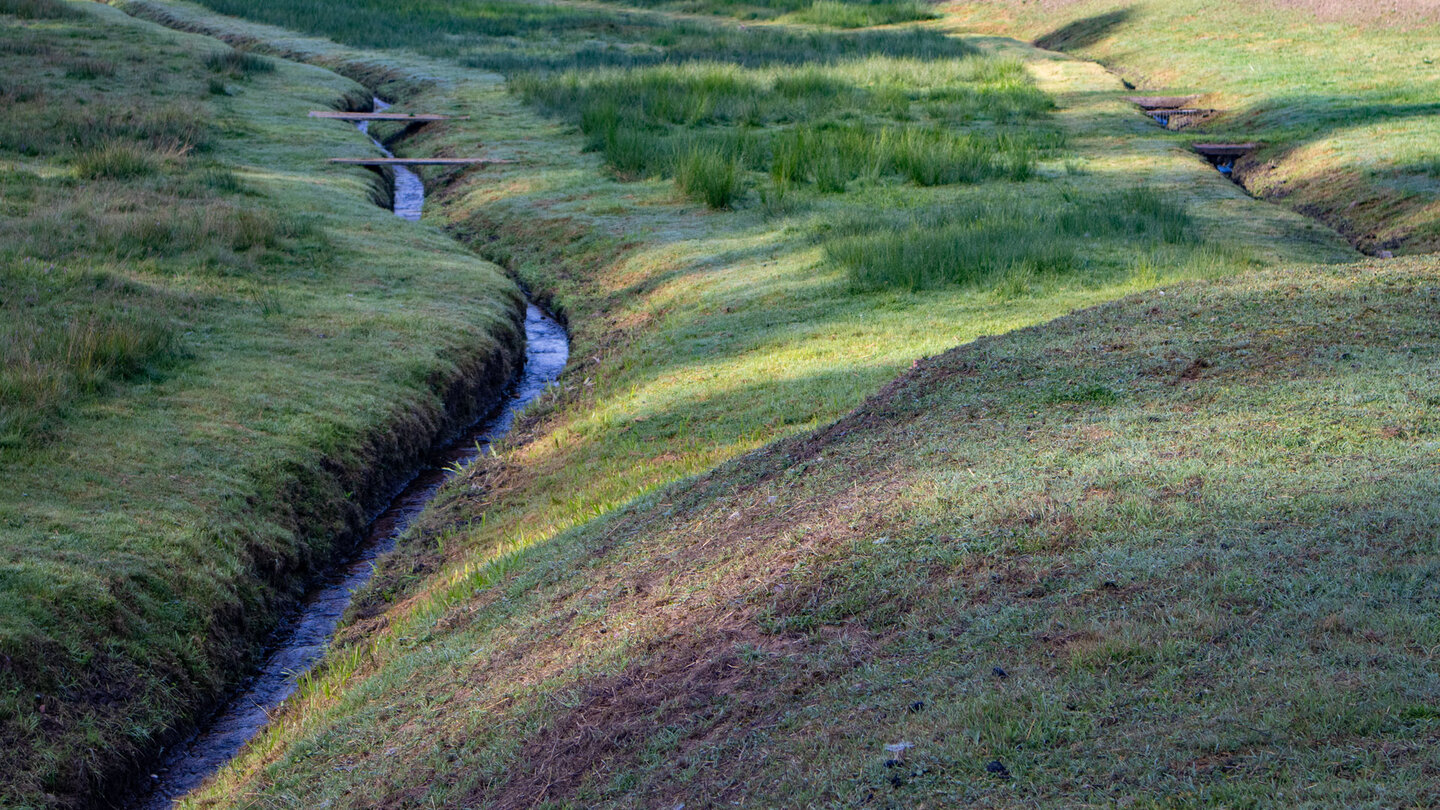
column 569, row 625
column 1340, row 96
column 215, row 357
column 1171, row 551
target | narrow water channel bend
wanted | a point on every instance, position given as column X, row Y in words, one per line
column 547, row 347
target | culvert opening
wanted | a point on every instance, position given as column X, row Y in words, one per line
column 1223, row 155
column 1173, row 112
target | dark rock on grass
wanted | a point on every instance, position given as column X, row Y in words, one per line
column 997, row 768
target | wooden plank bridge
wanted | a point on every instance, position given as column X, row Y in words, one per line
column 414, row 118
column 435, row 161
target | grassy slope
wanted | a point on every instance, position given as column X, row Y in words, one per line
column 1343, row 101
column 159, row 515
column 703, row 644
column 1194, row 530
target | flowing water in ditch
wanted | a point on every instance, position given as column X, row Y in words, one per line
column 546, row 349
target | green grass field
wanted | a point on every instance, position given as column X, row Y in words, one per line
column 1139, row 514
column 218, row 354
column 1173, row 549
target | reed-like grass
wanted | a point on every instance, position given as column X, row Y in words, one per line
column 238, row 62
column 840, row 14
column 117, row 160
column 37, row 9
column 823, row 127
column 66, row 335
column 1011, row 244
column 705, row 172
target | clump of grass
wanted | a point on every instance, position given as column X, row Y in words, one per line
column 707, row 174
column 13, row 92
column 220, row 179
column 167, row 128
column 66, row 335
column 959, row 248
column 117, row 160
column 822, row 125
column 238, row 62
column 88, row 69
column 933, row 157
column 1012, row 245
column 1138, row 213
column 152, row 234
column 38, row 9
column 840, row 14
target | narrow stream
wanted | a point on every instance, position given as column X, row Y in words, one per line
column 547, row 347
column 409, row 190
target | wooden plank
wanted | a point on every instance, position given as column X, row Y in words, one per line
column 1160, row 102
column 418, row 161
column 1224, row 149
column 385, row 116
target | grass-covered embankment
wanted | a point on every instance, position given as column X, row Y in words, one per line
column 1172, row 551
column 1108, row 508
column 1340, row 95
column 218, row 355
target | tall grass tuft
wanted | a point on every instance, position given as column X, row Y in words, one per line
column 117, row 160
column 238, row 62
column 107, row 333
column 1010, row 244
column 86, row 68
column 38, row 9
column 704, row 172
column 842, row 14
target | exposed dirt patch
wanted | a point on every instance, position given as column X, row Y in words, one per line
column 702, row 686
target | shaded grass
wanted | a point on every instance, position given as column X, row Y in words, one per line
column 1014, row 241
column 632, row 80
column 216, row 358
column 817, row 126
column 839, row 14
column 37, row 9
column 67, row 336
column 238, row 63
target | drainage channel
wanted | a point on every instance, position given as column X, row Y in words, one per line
column 547, row 347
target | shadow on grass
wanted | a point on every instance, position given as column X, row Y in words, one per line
column 1044, row 504
column 513, row 37
column 1085, row 32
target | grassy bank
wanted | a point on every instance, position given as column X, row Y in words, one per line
column 1340, row 95
column 1136, row 555
column 218, row 355
column 1108, row 508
